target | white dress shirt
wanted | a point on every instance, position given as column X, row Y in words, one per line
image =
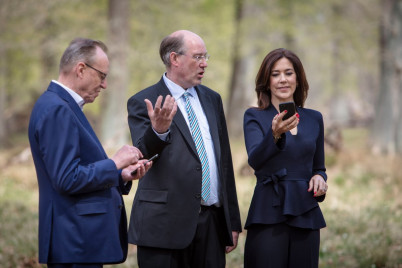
column 78, row 99
column 177, row 93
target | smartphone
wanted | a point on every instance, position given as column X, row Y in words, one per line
column 289, row 106
column 150, row 159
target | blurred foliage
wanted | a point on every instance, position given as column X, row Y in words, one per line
column 363, row 208
column 35, row 33
column 18, row 227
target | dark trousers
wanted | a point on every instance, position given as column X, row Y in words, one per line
column 281, row 246
column 207, row 249
column 72, row 265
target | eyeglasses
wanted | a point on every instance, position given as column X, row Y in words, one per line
column 102, row 74
column 201, row 57
column 198, row 58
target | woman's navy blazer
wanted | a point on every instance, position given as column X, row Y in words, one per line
column 284, row 169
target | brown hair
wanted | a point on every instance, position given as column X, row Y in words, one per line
column 171, row 44
column 262, row 81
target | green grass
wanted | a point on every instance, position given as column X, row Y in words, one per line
column 363, row 208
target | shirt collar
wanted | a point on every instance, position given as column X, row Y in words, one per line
column 78, row 99
column 176, row 90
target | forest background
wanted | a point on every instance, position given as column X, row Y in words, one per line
column 352, row 54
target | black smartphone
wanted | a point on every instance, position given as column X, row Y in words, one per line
column 289, row 106
column 150, row 159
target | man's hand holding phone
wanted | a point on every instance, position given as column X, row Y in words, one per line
column 138, row 170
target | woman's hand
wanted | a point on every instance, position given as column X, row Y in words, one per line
column 279, row 126
column 318, row 184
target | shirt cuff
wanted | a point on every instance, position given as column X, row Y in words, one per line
column 162, row 136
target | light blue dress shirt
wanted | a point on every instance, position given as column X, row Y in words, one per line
column 177, row 93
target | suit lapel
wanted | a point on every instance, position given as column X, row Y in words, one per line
column 179, row 120
column 62, row 93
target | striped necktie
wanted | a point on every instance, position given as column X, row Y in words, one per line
column 199, row 145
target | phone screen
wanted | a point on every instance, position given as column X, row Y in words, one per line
column 289, row 106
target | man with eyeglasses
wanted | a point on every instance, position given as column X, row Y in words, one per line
column 185, row 211
column 82, row 219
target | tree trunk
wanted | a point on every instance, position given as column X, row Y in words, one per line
column 114, row 119
column 387, row 125
column 3, row 77
column 339, row 115
column 241, row 91
column 3, row 132
column 287, row 9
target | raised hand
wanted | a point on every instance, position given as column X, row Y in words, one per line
column 161, row 116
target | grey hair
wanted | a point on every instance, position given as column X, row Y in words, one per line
column 80, row 49
column 171, row 44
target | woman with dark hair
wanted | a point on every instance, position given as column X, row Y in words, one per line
column 284, row 219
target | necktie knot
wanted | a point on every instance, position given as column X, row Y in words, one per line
column 186, row 95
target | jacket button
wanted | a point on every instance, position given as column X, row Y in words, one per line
column 120, row 206
column 198, row 169
column 197, row 196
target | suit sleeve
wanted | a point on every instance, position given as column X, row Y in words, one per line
column 259, row 140
column 228, row 172
column 319, row 156
column 59, row 139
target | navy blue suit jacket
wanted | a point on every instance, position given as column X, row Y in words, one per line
column 283, row 170
column 167, row 203
column 81, row 211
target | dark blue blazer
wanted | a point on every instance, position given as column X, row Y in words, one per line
column 81, row 211
column 283, row 170
column 167, row 202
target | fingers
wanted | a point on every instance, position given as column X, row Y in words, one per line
column 158, row 104
column 149, row 107
column 167, row 105
column 161, row 115
column 126, row 155
column 235, row 236
column 280, row 126
column 318, row 185
column 229, row 249
column 152, row 111
column 132, row 153
column 310, row 185
column 140, row 169
column 133, row 172
column 140, row 172
column 315, row 188
column 173, row 112
column 137, row 153
column 291, row 122
column 322, row 188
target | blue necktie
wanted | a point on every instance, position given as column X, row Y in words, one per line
column 199, row 145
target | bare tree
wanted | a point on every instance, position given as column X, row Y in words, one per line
column 2, row 99
column 240, row 91
column 114, row 119
column 339, row 113
column 387, row 126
